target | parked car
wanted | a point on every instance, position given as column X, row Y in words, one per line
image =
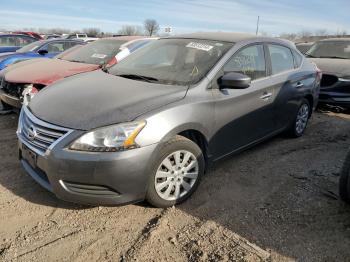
column 12, row 42
column 51, row 36
column 73, row 36
column 304, row 47
column 148, row 127
column 332, row 56
column 32, row 34
column 344, row 182
column 38, row 49
column 36, row 74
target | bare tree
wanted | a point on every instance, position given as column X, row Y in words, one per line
column 93, row 32
column 130, row 30
column 321, row 32
column 151, row 27
column 290, row 36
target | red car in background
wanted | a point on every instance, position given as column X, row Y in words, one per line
column 32, row 34
column 23, row 80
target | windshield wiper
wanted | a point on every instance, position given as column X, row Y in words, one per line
column 77, row 61
column 311, row 56
column 139, row 77
column 334, row 57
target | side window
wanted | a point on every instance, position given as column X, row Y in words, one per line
column 55, row 47
column 298, row 59
column 8, row 41
column 23, row 41
column 281, row 59
column 249, row 61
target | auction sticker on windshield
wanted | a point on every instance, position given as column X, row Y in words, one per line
column 200, row 46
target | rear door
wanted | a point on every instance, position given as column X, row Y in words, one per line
column 243, row 116
column 289, row 83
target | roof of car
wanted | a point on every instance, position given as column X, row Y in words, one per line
column 335, row 39
column 9, row 34
column 126, row 37
column 229, row 37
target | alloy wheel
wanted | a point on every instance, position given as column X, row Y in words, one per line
column 302, row 118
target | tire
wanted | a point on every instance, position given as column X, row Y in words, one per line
column 5, row 107
column 173, row 179
column 297, row 128
column 344, row 181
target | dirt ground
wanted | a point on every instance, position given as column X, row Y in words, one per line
column 275, row 202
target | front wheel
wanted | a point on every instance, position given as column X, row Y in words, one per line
column 344, row 181
column 301, row 120
column 176, row 172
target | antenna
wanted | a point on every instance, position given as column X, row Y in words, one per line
column 257, row 25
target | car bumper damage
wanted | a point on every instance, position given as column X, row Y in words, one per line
column 335, row 90
column 81, row 177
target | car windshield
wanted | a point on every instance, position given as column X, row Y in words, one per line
column 172, row 61
column 31, row 47
column 330, row 49
column 99, row 52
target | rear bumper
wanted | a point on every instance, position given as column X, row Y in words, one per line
column 10, row 100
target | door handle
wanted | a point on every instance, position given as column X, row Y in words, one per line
column 266, row 96
column 299, row 85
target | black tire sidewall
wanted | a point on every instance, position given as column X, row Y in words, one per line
column 175, row 144
column 344, row 181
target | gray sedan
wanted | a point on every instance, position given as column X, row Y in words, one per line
column 151, row 125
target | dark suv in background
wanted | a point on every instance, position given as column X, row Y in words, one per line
column 148, row 127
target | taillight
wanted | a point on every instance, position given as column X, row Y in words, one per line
column 34, row 90
column 113, row 61
column 318, row 74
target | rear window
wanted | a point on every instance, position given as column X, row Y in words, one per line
column 99, row 52
column 281, row 59
column 298, row 59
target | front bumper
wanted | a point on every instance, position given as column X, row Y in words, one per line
column 10, row 100
column 334, row 98
column 91, row 178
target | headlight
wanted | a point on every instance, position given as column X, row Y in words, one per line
column 109, row 139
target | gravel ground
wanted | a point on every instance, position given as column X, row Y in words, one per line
column 275, row 202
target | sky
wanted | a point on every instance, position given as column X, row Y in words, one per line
column 183, row 16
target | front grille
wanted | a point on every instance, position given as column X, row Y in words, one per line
column 37, row 133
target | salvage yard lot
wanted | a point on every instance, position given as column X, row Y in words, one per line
column 277, row 201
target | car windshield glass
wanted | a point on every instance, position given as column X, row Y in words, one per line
column 172, row 61
column 31, row 47
column 330, row 49
column 99, row 52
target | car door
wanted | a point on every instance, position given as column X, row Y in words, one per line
column 288, row 83
column 243, row 116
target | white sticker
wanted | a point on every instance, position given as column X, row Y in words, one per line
column 101, row 56
column 200, row 46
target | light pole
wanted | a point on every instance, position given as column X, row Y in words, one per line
column 257, row 25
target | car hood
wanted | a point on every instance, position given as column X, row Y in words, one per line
column 3, row 56
column 97, row 99
column 339, row 67
column 44, row 71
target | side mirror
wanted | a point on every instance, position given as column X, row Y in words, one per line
column 43, row 52
column 234, row 80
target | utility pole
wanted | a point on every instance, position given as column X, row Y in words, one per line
column 257, row 26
